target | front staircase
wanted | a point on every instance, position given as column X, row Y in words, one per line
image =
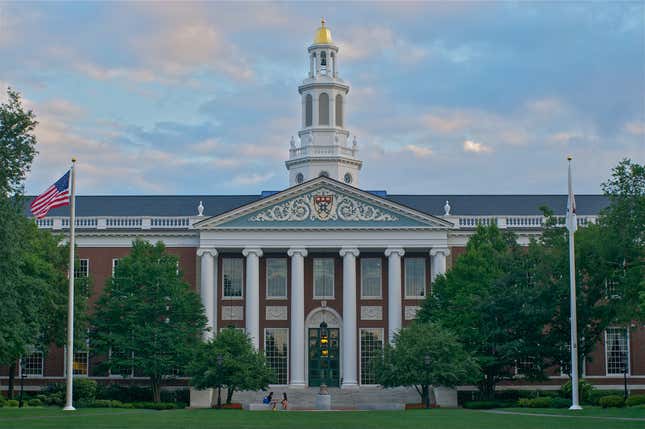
column 363, row 398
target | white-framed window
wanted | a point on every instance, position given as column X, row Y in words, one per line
column 232, row 269
column 612, row 288
column 81, row 363
column 617, row 351
column 524, row 365
column 82, row 269
column 323, row 278
column 415, row 277
column 276, row 278
column 371, row 269
column 232, row 327
column 32, row 363
column 371, row 346
column 276, row 350
column 125, row 370
column 115, row 262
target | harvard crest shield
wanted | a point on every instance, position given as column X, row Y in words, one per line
column 323, row 206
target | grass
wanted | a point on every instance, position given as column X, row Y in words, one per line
column 630, row 412
column 187, row 419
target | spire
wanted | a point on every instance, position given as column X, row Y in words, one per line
column 323, row 35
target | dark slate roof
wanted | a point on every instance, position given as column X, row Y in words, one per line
column 186, row 205
column 464, row 205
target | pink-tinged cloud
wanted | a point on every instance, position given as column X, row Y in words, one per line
column 475, row 147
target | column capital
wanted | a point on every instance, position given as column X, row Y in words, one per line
column 349, row 251
column 297, row 251
column 439, row 250
column 252, row 251
column 394, row 250
column 206, row 250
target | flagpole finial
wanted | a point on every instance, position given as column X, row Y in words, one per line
column 73, row 159
column 569, row 157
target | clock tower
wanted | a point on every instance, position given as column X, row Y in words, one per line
column 324, row 146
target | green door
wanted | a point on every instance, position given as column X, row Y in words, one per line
column 324, row 357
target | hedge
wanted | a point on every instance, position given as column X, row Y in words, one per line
column 611, row 401
column 486, row 405
column 12, row 403
column 635, row 400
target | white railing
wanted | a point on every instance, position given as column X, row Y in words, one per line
column 186, row 222
column 518, row 222
column 119, row 222
column 321, row 150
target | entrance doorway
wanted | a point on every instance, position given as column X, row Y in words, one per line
column 324, row 356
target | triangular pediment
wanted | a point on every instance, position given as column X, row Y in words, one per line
column 323, row 203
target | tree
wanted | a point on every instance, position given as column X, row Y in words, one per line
column 230, row 361
column 17, row 143
column 148, row 321
column 33, row 267
column 425, row 355
column 621, row 244
column 490, row 300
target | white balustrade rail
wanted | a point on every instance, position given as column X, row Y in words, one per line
column 186, row 222
column 321, row 150
column 119, row 222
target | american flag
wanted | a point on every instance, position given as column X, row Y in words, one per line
column 57, row 195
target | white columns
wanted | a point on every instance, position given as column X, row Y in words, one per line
column 297, row 330
column 207, row 288
column 252, row 297
column 394, row 312
column 438, row 256
column 349, row 348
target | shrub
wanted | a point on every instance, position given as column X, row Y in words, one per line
column 560, row 403
column 584, row 391
column 541, row 402
column 154, row 405
column 124, row 393
column 486, row 405
column 635, row 400
column 101, row 403
column 84, row 390
column 3, row 401
column 12, row 403
column 597, row 394
column 175, row 395
column 55, row 399
column 35, row 402
column 611, row 401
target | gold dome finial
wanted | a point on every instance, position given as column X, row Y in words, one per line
column 323, row 35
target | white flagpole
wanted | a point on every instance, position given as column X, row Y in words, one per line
column 70, row 300
column 572, row 225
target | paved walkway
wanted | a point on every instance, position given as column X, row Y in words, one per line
column 567, row 416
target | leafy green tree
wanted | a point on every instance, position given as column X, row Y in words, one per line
column 425, row 355
column 490, row 300
column 33, row 266
column 17, row 143
column 621, row 247
column 148, row 320
column 595, row 307
column 229, row 361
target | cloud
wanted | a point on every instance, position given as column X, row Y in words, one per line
column 636, row 128
column 418, row 150
column 366, row 42
column 473, row 146
column 251, row 179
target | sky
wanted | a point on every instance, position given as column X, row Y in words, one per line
column 446, row 97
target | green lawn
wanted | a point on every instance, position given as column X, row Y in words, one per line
column 630, row 412
column 187, row 419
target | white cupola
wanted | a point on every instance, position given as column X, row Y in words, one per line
column 323, row 146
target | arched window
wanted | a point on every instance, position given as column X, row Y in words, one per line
column 339, row 110
column 323, row 62
column 323, row 109
column 309, row 106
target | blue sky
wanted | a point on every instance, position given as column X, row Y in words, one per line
column 446, row 97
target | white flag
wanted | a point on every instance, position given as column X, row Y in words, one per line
column 572, row 222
